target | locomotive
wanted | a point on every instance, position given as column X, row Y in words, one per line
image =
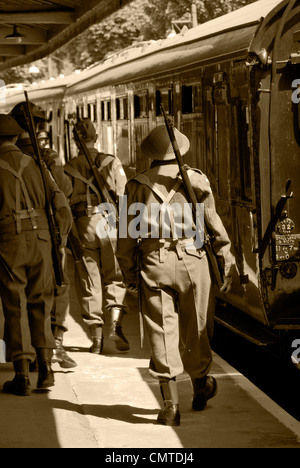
column 231, row 86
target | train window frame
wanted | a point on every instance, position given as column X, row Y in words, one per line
column 244, row 151
column 164, row 96
column 191, row 94
column 122, row 109
column 80, row 111
column 92, row 111
column 141, row 104
column 106, row 109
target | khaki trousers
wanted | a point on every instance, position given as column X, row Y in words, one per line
column 178, row 307
column 103, row 288
column 27, row 299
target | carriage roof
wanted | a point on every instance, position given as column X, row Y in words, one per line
column 232, row 32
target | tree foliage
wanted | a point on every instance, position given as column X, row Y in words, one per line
column 140, row 20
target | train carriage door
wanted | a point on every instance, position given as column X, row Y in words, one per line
column 243, row 198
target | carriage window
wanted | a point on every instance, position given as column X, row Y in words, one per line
column 106, row 110
column 125, row 108
column 191, row 99
column 92, row 112
column 222, row 148
column 164, row 97
column 122, row 108
column 187, row 99
column 245, row 161
column 141, row 108
column 79, row 112
column 118, row 108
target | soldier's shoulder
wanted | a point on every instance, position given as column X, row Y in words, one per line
column 138, row 178
column 73, row 162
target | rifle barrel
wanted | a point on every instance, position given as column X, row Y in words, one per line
column 53, row 227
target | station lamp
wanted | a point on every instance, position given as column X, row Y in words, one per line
column 16, row 37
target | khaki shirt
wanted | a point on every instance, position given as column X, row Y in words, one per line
column 34, row 184
column 164, row 177
column 113, row 174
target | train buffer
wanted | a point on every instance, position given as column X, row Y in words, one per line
column 111, row 402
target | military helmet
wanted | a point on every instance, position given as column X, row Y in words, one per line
column 86, row 129
column 8, row 126
column 18, row 114
column 43, row 134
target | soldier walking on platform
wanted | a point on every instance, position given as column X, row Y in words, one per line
column 26, row 266
column 177, row 297
column 61, row 304
column 100, row 288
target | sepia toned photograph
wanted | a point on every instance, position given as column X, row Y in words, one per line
column 149, row 226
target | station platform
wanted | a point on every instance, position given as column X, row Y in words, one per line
column 111, row 402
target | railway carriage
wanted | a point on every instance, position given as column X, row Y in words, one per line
column 231, row 85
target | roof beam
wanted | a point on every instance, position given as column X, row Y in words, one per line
column 97, row 10
column 38, row 17
column 12, row 50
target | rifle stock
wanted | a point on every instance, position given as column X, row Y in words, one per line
column 183, row 168
column 53, row 227
column 77, row 250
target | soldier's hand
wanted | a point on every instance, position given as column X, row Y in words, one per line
column 132, row 287
column 226, row 285
column 49, row 156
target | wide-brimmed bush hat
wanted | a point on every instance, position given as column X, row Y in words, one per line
column 157, row 144
column 8, row 126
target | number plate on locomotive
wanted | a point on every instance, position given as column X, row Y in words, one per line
column 287, row 247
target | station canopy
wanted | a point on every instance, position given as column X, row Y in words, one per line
column 33, row 29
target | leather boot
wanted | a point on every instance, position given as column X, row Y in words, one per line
column 97, row 337
column 46, row 375
column 59, row 354
column 20, row 385
column 170, row 415
column 204, row 389
column 116, row 333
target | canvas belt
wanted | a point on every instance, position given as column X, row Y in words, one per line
column 26, row 221
column 81, row 210
column 163, row 245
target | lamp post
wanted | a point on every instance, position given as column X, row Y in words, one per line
column 190, row 21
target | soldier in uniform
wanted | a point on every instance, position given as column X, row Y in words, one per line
column 61, row 304
column 100, row 289
column 43, row 139
column 176, row 285
column 26, row 267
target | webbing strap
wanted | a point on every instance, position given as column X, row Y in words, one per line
column 89, row 185
column 21, row 184
column 143, row 179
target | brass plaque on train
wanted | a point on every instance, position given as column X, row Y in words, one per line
column 287, row 247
